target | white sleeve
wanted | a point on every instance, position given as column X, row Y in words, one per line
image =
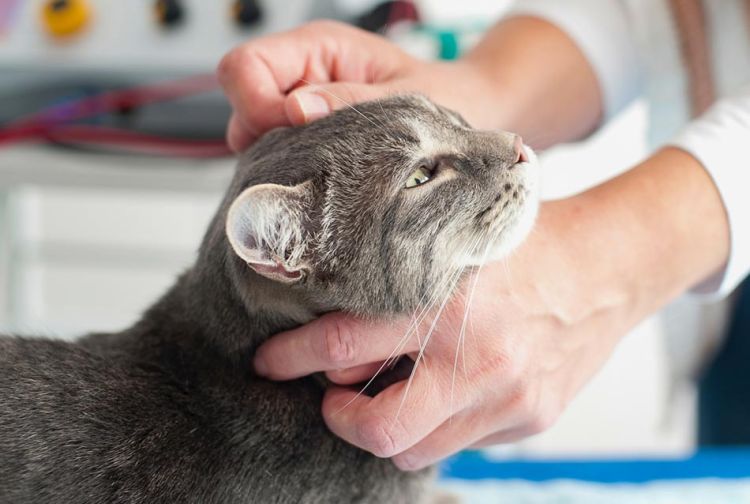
column 603, row 30
column 720, row 140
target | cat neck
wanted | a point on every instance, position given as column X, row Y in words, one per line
column 205, row 308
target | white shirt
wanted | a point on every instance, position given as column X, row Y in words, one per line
column 633, row 48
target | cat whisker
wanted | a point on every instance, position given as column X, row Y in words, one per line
column 448, row 281
column 382, row 125
column 455, row 361
column 422, row 349
column 424, row 308
column 412, row 329
column 380, row 103
column 421, row 313
column 334, row 95
column 462, row 333
column 421, row 355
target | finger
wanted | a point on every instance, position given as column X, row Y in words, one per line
column 514, row 416
column 451, row 437
column 503, row 437
column 308, row 103
column 356, row 374
column 519, row 418
column 333, row 342
column 390, row 422
column 258, row 75
column 238, row 136
column 468, row 429
column 252, row 88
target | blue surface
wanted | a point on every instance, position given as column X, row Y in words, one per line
column 713, row 463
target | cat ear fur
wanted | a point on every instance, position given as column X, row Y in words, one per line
column 266, row 227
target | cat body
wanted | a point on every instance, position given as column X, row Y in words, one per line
column 169, row 410
column 154, row 415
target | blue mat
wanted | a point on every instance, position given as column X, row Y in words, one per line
column 719, row 476
column 713, row 463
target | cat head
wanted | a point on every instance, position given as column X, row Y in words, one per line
column 375, row 210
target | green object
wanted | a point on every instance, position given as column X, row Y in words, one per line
column 452, row 39
column 449, row 48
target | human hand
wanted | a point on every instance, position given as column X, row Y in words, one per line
column 294, row 77
column 539, row 326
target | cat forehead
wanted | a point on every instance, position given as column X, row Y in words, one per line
column 434, row 128
column 382, row 134
column 418, row 127
column 432, row 141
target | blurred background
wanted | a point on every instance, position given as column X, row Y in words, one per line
column 112, row 161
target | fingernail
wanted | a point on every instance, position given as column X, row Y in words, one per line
column 313, row 105
column 260, row 365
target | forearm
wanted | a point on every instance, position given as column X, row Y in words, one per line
column 535, row 81
column 648, row 235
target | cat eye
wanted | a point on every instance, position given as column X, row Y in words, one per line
column 419, row 177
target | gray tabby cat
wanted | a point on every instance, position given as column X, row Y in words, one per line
column 367, row 211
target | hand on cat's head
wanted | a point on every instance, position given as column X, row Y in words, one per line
column 294, row 77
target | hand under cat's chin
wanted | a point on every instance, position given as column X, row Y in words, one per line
column 492, row 373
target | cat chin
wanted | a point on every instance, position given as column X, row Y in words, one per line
column 521, row 230
column 509, row 240
column 512, row 236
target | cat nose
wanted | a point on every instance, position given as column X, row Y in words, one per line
column 521, row 156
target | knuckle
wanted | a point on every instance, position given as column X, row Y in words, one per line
column 504, row 365
column 523, row 401
column 378, row 436
column 541, row 421
column 511, row 361
column 339, row 346
column 229, row 64
column 535, row 416
column 237, row 62
column 412, row 461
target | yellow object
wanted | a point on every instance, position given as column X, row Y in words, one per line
column 63, row 18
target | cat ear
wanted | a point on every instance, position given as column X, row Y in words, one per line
column 267, row 227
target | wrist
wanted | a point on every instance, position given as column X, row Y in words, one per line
column 544, row 87
column 652, row 233
column 577, row 237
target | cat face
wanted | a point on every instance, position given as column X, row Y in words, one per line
column 376, row 210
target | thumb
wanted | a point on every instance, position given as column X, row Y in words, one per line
column 308, row 103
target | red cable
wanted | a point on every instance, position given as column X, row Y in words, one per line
column 123, row 138
column 49, row 124
column 113, row 101
column 112, row 137
column 402, row 10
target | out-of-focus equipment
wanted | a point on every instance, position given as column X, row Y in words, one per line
column 118, row 75
column 63, row 18
column 169, row 13
column 62, row 124
column 127, row 76
column 246, row 13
